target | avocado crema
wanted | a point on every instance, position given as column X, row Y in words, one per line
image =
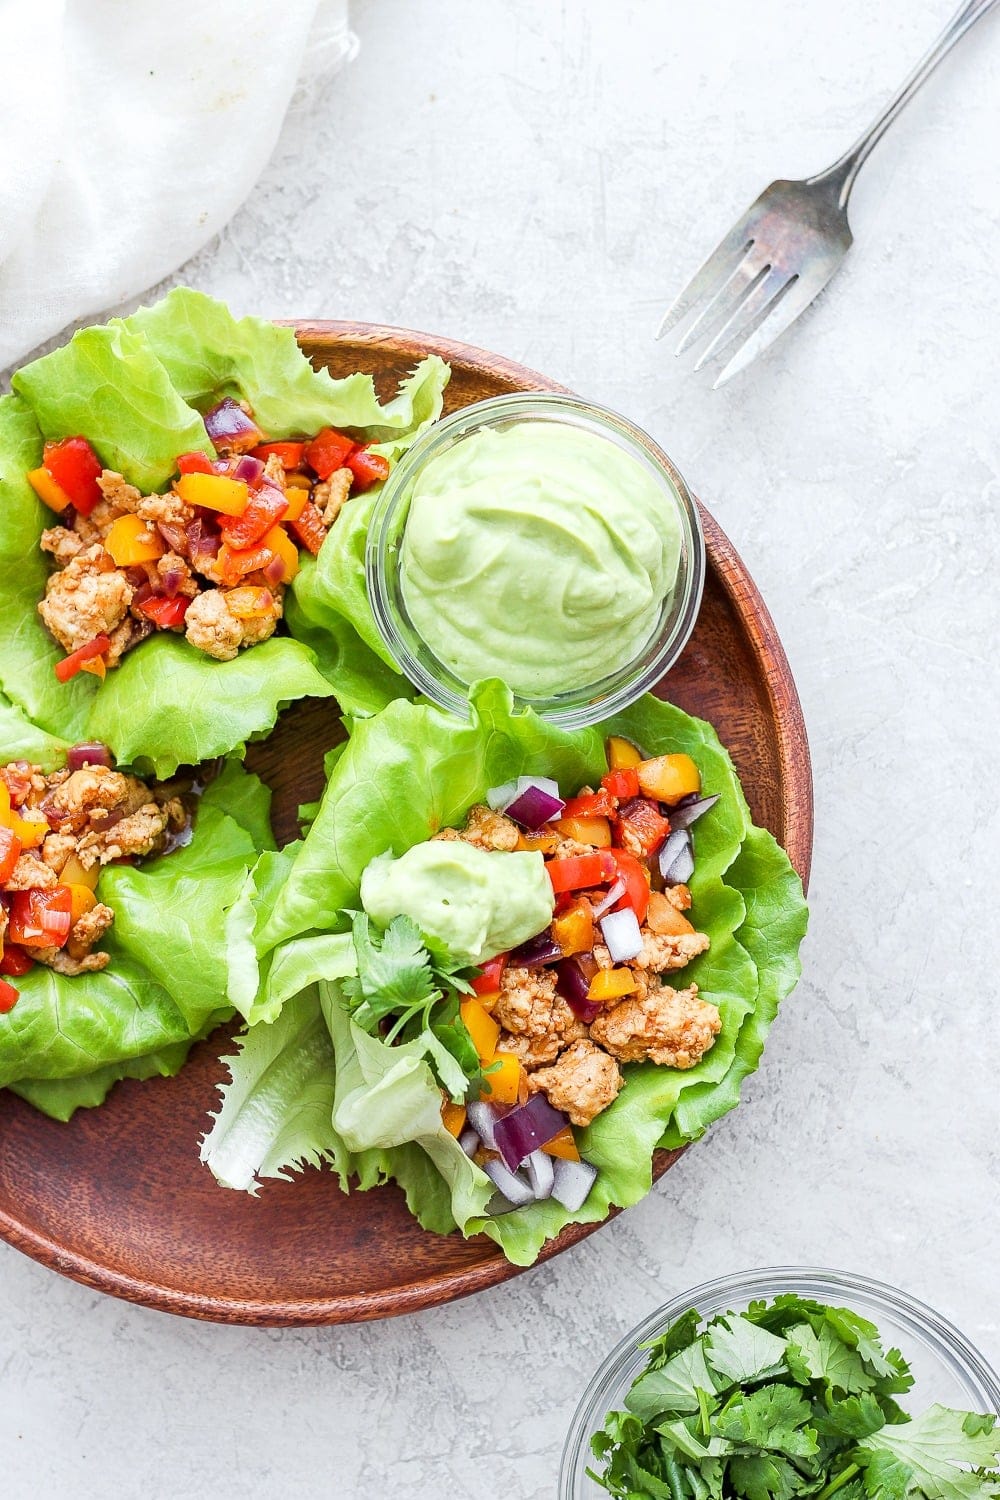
column 469, row 904
column 542, row 551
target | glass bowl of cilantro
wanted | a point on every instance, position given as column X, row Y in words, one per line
column 788, row 1384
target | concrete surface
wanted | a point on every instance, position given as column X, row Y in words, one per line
column 540, row 178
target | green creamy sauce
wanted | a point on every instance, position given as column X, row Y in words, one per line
column 470, row 905
column 542, row 554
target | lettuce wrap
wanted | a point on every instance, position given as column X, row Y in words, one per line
column 402, row 776
column 136, row 389
column 67, row 1040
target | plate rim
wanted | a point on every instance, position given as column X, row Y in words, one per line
column 793, row 753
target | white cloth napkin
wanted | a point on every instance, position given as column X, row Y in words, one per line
column 130, row 132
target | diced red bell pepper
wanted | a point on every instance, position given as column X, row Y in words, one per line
column 645, row 823
column 10, row 853
column 328, row 452
column 89, row 651
column 41, row 919
column 289, row 453
column 636, row 879
column 265, row 509
column 15, row 961
column 309, row 528
column 368, row 468
column 593, row 805
column 166, row 612
column 488, row 982
column 622, row 784
column 76, row 468
column 233, row 564
column 194, row 463
column 9, row 997
column 580, row 871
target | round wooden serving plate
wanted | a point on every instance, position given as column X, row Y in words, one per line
column 117, row 1199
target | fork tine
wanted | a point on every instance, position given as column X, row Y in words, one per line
column 795, row 299
column 765, row 290
column 715, row 270
column 728, row 300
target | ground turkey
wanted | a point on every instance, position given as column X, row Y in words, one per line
column 672, row 1028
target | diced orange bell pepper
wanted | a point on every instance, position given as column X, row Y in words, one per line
column 10, row 853
column 668, row 778
column 4, row 803
column 82, row 900
column 215, row 492
column 563, row 1145
column 664, row 918
column 281, row 544
column 504, row 1079
column 623, row 785
column 250, row 603
column 453, row 1117
column 543, row 843
column 82, row 658
column 73, row 873
column 484, row 1031
column 595, row 831
column 47, row 490
column 265, row 508
column 574, row 929
column 646, row 825
column 611, row 984
column 298, row 488
column 622, row 754
column 30, row 831
column 290, row 454
column 232, row 565
column 590, row 805
column 130, row 540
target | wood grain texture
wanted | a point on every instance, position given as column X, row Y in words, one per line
column 117, row 1199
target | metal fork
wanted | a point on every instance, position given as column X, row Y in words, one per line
column 788, row 244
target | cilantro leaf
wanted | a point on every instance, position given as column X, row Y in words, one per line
column 826, row 1357
column 942, row 1454
column 741, row 1351
column 773, row 1419
column 682, row 1332
column 674, row 1386
column 761, row 1476
column 394, row 972
column 855, row 1417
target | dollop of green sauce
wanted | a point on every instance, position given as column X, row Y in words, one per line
column 469, row 904
column 541, row 553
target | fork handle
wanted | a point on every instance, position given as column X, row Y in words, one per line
column 843, row 173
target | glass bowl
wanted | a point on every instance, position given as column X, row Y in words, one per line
column 595, row 700
column 947, row 1369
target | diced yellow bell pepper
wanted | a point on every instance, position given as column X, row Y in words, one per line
column 453, row 1117
column 214, row 492
column 29, row 831
column 611, row 984
column 73, row 873
column 540, row 843
column 296, row 497
column 97, row 667
column 504, row 1079
column 250, row 602
column 282, row 546
column 622, row 754
column 668, row 778
column 563, row 1145
column 50, row 493
column 4, row 804
column 574, row 930
column 82, row 900
column 130, row 540
column 596, row 831
column 484, row 1031
column 664, row 918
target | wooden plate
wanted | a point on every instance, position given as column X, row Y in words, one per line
column 118, row 1200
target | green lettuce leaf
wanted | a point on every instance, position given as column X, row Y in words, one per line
column 194, row 708
column 23, row 740
column 60, row 1098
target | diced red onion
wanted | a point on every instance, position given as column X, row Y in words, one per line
column 481, row 1117
column 170, row 581
column 228, row 425
column 573, row 1182
column 689, row 812
column 540, row 1174
column 526, row 1128
column 544, row 784
column 469, row 1142
column 514, row 1189
column 622, row 935
column 89, row 753
column 175, row 536
column 203, row 540
column 144, row 592
column 677, row 858
column 573, row 985
column 274, row 572
column 616, row 893
column 499, row 797
column 536, row 952
column 248, row 469
column 534, row 806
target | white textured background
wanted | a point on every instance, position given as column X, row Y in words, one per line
column 538, row 178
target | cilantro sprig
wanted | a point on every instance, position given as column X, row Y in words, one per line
column 404, row 993
column 788, row 1399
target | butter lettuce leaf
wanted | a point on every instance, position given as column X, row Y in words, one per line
column 60, row 1098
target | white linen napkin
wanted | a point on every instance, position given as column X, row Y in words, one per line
column 130, row 132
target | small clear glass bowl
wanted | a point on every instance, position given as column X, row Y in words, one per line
column 947, row 1369
column 596, row 700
